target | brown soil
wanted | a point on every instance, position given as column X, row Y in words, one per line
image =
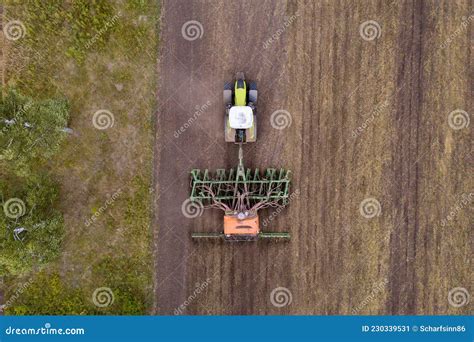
column 398, row 88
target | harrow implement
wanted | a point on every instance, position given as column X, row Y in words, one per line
column 241, row 193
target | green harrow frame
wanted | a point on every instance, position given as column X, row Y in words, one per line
column 271, row 185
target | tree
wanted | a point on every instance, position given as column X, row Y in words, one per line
column 31, row 131
column 31, row 227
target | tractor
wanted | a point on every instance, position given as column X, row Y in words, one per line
column 240, row 108
column 240, row 193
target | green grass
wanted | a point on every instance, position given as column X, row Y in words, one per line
column 97, row 55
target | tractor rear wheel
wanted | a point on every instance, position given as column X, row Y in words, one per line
column 227, row 93
column 253, row 94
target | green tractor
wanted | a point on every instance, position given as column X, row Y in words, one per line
column 241, row 192
column 240, row 100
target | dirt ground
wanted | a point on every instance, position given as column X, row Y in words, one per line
column 369, row 112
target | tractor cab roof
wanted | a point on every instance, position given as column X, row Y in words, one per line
column 241, row 117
